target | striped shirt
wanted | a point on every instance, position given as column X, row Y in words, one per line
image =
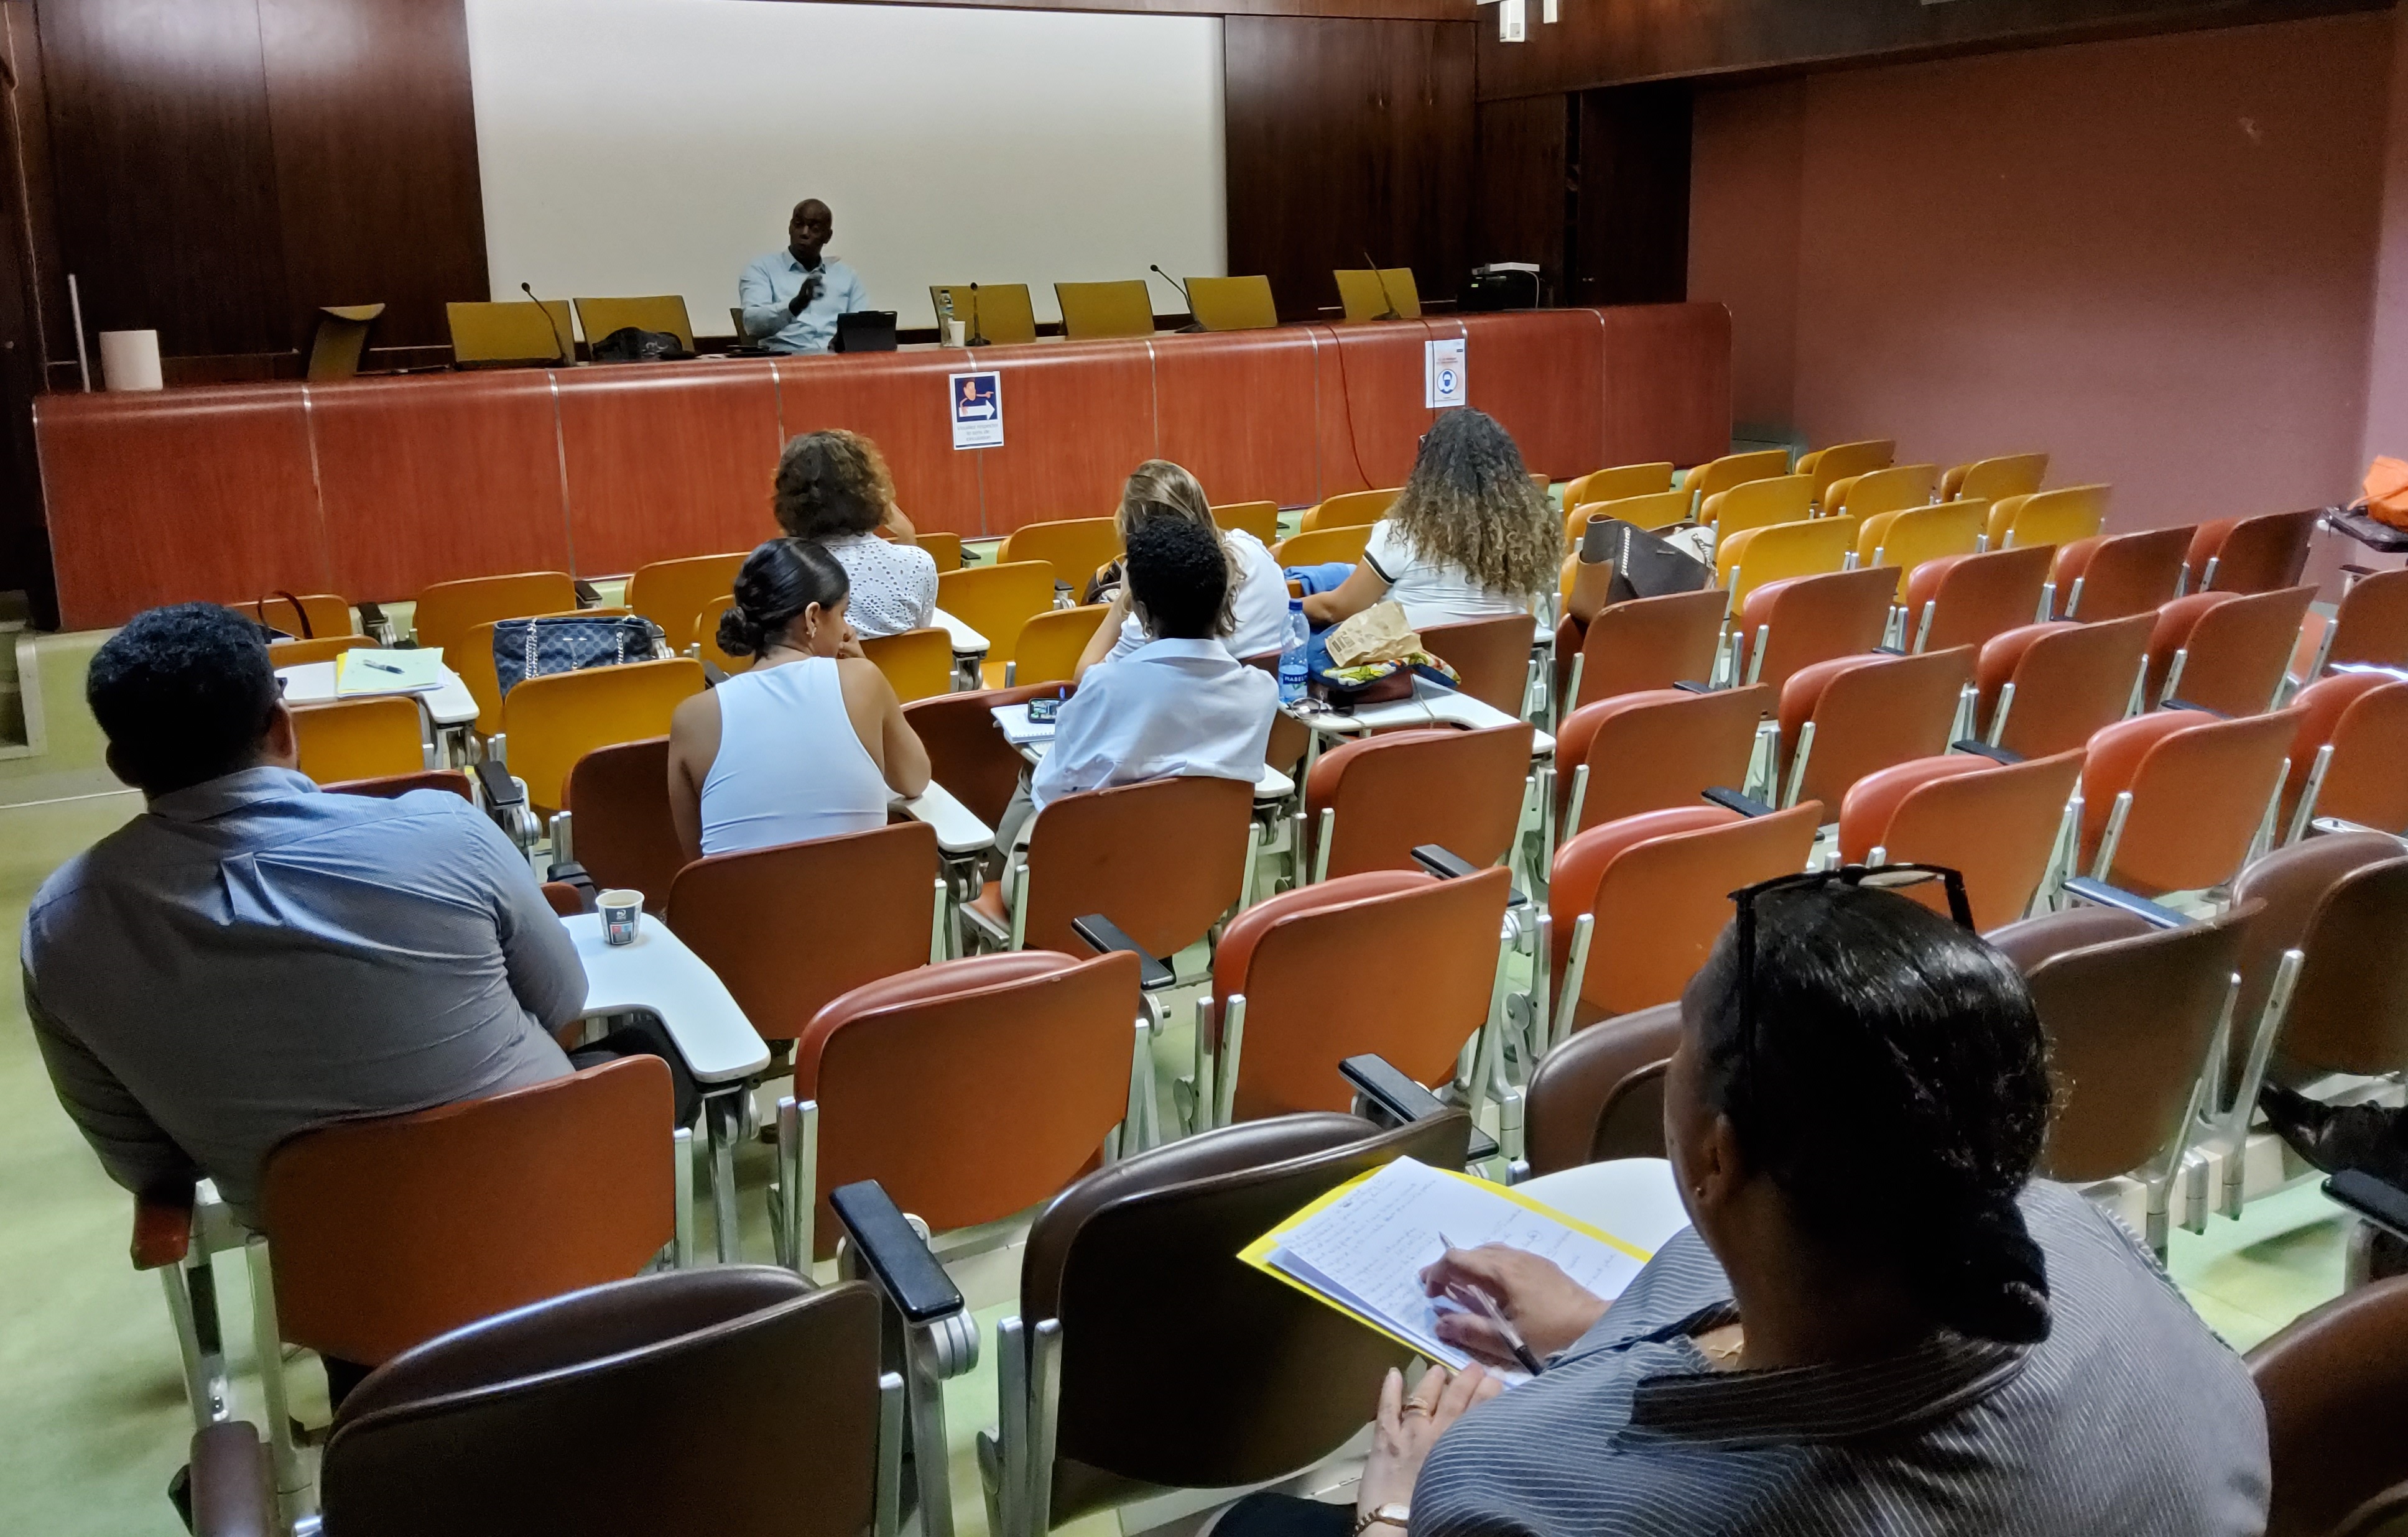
column 2130, row 1418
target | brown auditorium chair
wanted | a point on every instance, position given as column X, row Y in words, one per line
column 2332, row 1382
column 320, row 616
column 1843, row 719
column 1637, row 903
column 2251, row 554
column 971, row 1089
column 300, row 653
column 617, row 819
column 2349, row 758
column 671, row 593
column 1600, row 1094
column 391, row 1229
column 918, row 663
column 2009, row 475
column 1276, row 1019
column 1653, row 752
column 388, row 786
column 1844, row 462
column 1491, row 657
column 504, row 1424
column 550, row 722
column 2227, row 652
column 1075, row 548
column 2048, row 518
column 1756, row 504
column 2046, row 687
column 1786, row 625
column 791, row 926
column 1087, row 1421
column 1964, row 599
column 998, row 600
column 360, row 738
column 1894, row 488
column 447, row 611
column 2116, row 575
column 2132, row 1010
column 1642, row 643
column 2175, row 800
column 2369, row 625
column 1164, row 859
column 966, row 750
column 1371, row 803
column 1999, row 825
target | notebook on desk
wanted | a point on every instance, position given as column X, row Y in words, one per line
column 367, row 671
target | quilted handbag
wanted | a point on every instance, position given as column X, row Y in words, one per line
column 566, row 643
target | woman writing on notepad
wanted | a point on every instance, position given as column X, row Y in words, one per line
column 1878, row 1322
column 810, row 742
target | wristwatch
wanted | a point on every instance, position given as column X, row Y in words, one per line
column 1391, row 1514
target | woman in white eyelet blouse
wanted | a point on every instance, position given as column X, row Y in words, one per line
column 833, row 489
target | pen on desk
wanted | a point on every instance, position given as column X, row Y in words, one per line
column 1479, row 1300
column 380, row 666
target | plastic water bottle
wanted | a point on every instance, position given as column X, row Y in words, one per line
column 1292, row 645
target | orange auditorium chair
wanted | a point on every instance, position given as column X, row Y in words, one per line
column 1891, row 490
column 1163, row 858
column 2176, row 800
column 2227, row 652
column 998, row 600
column 671, row 593
column 1787, row 625
column 966, row 750
column 918, row 663
column 1051, row 644
column 1259, row 518
column 1721, row 474
column 2349, row 757
column 2009, row 475
column 550, row 722
column 447, row 611
column 1843, row 719
column 2046, row 688
column 1641, row 643
column 2111, row 576
column 1653, row 750
column 1348, row 509
column 300, row 653
column 1075, row 548
column 360, row 738
column 1491, row 657
column 2251, row 554
column 1844, row 462
column 2369, row 625
column 1999, row 825
column 1964, row 599
column 1615, row 483
column 1370, row 803
column 311, row 616
column 616, row 822
column 1757, row 504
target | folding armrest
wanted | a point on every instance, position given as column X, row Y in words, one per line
column 895, row 1253
column 1448, row 865
column 1990, row 751
column 1104, row 937
column 2172, row 704
column 230, row 1488
column 940, row 1338
column 2378, row 1201
column 1731, row 800
column 1386, row 1097
column 1691, row 686
column 570, row 873
column 2100, row 895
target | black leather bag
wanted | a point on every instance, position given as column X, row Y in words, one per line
column 1644, row 566
column 633, row 343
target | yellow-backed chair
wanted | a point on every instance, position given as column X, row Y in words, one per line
column 510, row 331
column 360, row 738
column 1907, row 538
column 1615, row 483
column 706, row 636
column 1758, row 504
column 550, row 723
column 1000, row 312
column 1378, row 294
column 1090, row 310
column 671, row 592
column 944, row 548
column 447, row 611
column 1703, row 480
column 1232, row 304
column 1348, row 509
column 1876, row 492
column 1051, row 644
column 1655, row 510
column 1844, row 462
column 996, row 600
column 1989, row 479
column 1259, row 518
column 919, row 663
column 1748, row 559
column 1322, row 545
column 598, row 318
column 474, row 662
column 297, row 653
column 2049, row 517
column 1073, row 547
column 318, row 616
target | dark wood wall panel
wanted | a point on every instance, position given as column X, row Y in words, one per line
column 674, row 459
column 1522, row 188
column 1630, row 229
column 1347, row 139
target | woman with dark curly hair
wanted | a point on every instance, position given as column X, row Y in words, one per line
column 833, row 489
column 1468, row 538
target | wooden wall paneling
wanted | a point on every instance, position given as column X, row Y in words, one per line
column 1668, row 389
column 33, row 195
column 160, row 142
column 1542, row 375
column 432, row 478
column 899, row 401
column 178, row 497
column 1239, row 410
column 376, row 160
column 24, row 542
column 1344, row 136
column 1372, row 402
column 1523, row 195
column 1631, row 229
column 666, row 460
column 1077, row 417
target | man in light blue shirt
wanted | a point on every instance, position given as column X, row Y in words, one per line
column 792, row 297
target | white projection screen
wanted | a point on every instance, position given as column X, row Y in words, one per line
column 640, row 146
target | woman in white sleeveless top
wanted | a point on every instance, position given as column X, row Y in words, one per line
column 811, row 742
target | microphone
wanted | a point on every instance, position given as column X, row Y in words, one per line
column 976, row 337
column 1386, row 298
column 1193, row 324
column 567, row 353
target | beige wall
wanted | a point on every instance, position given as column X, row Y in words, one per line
column 2155, row 259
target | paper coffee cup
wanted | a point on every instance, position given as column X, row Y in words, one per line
column 621, row 912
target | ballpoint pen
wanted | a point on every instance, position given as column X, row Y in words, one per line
column 1480, row 1302
column 380, row 666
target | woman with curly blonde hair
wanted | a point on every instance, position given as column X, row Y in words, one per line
column 833, row 490
column 1256, row 609
column 1470, row 536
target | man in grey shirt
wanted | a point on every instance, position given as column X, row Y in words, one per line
column 249, row 956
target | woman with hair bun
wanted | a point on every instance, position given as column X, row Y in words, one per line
column 1879, row 1321
column 810, row 742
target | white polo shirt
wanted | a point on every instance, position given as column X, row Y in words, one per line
column 1432, row 592
column 1172, row 707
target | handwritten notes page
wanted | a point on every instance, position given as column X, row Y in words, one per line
column 1365, row 1251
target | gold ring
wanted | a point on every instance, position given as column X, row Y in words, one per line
column 1413, row 1403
